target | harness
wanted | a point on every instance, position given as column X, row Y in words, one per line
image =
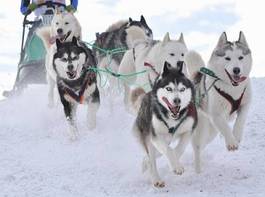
column 235, row 104
column 77, row 95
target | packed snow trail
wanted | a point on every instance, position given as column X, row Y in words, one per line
column 37, row 159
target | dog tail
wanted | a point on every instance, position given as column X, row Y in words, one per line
column 135, row 99
column 194, row 62
column 45, row 35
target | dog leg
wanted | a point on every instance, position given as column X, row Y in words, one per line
column 164, row 149
column 240, row 122
column 179, row 150
column 155, row 178
column 70, row 113
column 224, row 128
column 51, row 85
column 92, row 115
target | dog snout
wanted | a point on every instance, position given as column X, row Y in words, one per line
column 70, row 67
column 180, row 63
column 60, row 31
column 176, row 101
column 236, row 70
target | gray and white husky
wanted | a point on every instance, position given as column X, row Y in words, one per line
column 76, row 83
column 228, row 99
column 165, row 114
column 151, row 54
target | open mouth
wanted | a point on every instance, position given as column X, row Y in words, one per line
column 71, row 74
column 174, row 109
column 61, row 37
column 235, row 79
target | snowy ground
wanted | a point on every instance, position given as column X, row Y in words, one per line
column 37, row 159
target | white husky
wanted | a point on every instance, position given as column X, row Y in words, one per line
column 64, row 26
column 145, row 55
column 228, row 99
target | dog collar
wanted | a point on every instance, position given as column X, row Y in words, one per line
column 235, row 104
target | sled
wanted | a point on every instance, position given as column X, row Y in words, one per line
column 31, row 66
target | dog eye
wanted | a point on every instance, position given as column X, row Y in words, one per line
column 57, row 23
column 172, row 54
column 169, row 89
column 75, row 58
column 241, row 57
column 66, row 23
column 182, row 89
column 228, row 58
column 182, row 54
column 64, row 60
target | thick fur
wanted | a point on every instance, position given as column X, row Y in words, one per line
column 68, row 26
column 155, row 120
column 231, row 62
column 71, row 62
column 155, row 54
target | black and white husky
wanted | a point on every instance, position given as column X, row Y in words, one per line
column 75, row 82
column 228, row 99
column 166, row 113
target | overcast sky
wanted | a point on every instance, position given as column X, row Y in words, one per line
column 201, row 21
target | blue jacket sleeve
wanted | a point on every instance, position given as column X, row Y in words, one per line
column 74, row 3
column 24, row 6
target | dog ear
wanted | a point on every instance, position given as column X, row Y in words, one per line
column 143, row 20
column 181, row 39
column 242, row 39
column 58, row 43
column 130, row 20
column 166, row 69
column 166, row 39
column 222, row 40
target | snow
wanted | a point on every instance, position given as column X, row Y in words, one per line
column 37, row 158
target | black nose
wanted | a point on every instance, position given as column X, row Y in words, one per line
column 176, row 101
column 70, row 67
column 236, row 70
column 60, row 31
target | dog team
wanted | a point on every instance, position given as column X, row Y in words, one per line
column 172, row 101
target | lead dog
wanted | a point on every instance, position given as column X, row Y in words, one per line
column 165, row 114
column 228, row 99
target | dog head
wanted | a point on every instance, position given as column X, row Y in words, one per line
column 65, row 26
column 173, row 90
column 231, row 61
column 138, row 30
column 69, row 59
column 172, row 51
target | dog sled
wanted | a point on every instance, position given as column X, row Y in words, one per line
column 31, row 66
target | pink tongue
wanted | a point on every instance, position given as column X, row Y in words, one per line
column 240, row 79
column 171, row 107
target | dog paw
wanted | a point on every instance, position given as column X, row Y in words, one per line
column 91, row 127
column 51, row 104
column 159, row 184
column 179, row 170
column 232, row 145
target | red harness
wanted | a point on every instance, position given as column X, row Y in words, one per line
column 152, row 68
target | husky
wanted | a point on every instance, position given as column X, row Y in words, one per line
column 151, row 57
column 166, row 113
column 227, row 98
column 75, row 82
column 122, row 34
column 64, row 26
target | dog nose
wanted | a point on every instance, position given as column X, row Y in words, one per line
column 60, row 31
column 236, row 70
column 176, row 101
column 70, row 67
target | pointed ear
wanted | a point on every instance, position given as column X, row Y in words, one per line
column 142, row 20
column 97, row 35
column 130, row 20
column 74, row 41
column 242, row 39
column 222, row 39
column 166, row 39
column 166, row 69
column 58, row 43
column 181, row 38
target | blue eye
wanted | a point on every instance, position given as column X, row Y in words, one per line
column 182, row 89
column 64, row 60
